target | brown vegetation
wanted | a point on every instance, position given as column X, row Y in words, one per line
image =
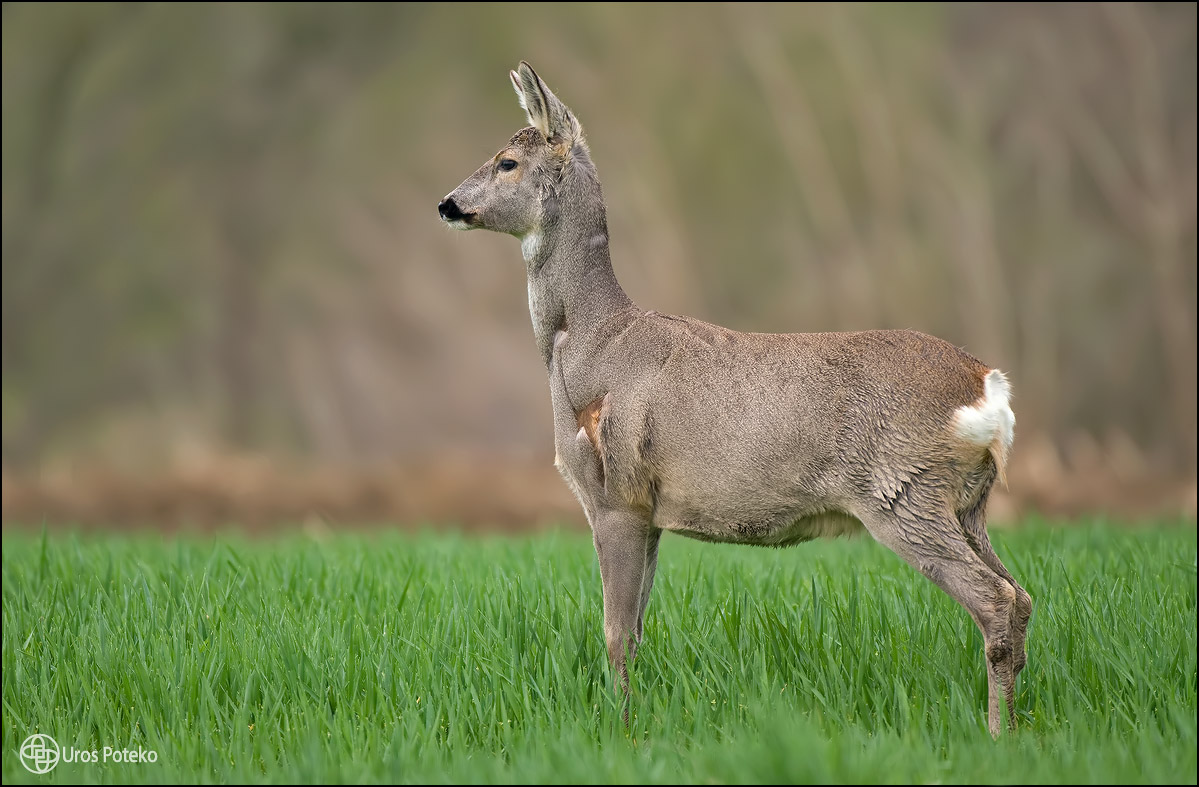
column 508, row 493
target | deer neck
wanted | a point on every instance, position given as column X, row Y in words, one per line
column 571, row 282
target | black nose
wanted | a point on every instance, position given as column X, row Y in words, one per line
column 448, row 209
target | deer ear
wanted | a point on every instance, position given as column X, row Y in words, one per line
column 520, row 95
column 546, row 113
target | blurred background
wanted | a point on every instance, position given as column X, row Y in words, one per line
column 228, row 299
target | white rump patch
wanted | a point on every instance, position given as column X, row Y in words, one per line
column 990, row 420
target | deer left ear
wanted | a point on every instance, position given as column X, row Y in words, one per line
column 546, row 113
column 532, row 109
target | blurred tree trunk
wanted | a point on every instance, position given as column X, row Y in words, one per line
column 239, row 312
column 32, row 276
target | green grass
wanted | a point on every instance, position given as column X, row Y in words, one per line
column 442, row 658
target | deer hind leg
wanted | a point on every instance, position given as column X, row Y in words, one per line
column 974, row 523
column 931, row 540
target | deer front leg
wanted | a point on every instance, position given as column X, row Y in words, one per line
column 647, row 580
column 624, row 543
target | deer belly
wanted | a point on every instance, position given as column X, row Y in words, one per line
column 781, row 531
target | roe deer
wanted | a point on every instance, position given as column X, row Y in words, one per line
column 663, row 422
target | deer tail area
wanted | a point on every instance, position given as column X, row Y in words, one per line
column 989, row 422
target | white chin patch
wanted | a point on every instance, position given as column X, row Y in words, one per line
column 458, row 224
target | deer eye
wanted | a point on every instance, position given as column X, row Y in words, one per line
column 507, row 165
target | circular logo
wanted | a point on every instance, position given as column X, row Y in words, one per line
column 39, row 753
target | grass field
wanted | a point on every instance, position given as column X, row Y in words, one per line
column 442, row 658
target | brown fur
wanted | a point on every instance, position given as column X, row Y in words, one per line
column 589, row 418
